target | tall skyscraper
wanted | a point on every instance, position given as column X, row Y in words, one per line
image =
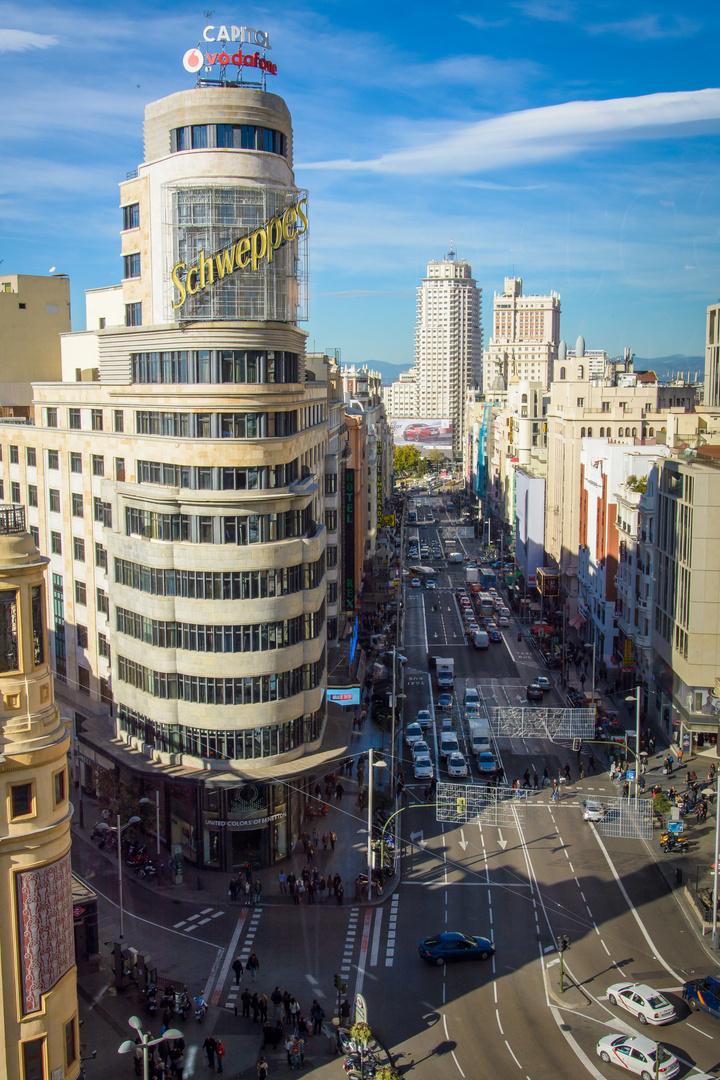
column 526, row 334
column 448, row 342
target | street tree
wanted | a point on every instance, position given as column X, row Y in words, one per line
column 408, row 461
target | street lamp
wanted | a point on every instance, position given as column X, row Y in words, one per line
column 120, row 830
column 378, row 765
column 146, row 1041
column 636, row 698
column 149, row 802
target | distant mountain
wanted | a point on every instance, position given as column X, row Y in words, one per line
column 667, row 366
column 389, row 372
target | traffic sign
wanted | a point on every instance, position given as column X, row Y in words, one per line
column 686, row 742
column 630, row 774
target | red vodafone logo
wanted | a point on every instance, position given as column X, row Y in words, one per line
column 193, row 60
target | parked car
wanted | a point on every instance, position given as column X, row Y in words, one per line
column 444, row 948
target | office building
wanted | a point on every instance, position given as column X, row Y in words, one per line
column 525, row 339
column 34, row 311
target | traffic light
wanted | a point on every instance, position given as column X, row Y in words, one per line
column 338, row 982
column 563, row 942
column 577, row 743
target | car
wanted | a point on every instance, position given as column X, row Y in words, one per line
column 413, row 734
column 416, row 583
column 423, row 718
column 431, row 583
column 636, row 1054
column 423, row 767
column 444, row 948
column 543, row 681
column 462, row 591
column 419, row 431
column 445, row 701
column 495, row 636
column 592, row 810
column 457, row 765
column 420, row 749
column 486, row 763
column 642, row 1001
column 503, row 620
column 534, row 692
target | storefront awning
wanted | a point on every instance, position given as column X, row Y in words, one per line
column 577, row 622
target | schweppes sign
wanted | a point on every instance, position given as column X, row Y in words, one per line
column 245, row 254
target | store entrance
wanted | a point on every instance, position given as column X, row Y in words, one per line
column 247, row 848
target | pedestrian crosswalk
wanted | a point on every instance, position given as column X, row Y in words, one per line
column 349, row 948
column 202, row 917
column 246, row 949
column 392, row 929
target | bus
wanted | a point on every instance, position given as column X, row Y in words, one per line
column 485, row 603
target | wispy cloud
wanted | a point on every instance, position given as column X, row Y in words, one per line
column 548, row 10
column 24, row 40
column 549, row 133
column 651, row 27
column 481, row 23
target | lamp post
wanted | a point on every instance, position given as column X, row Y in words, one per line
column 371, row 764
column 149, row 802
column 636, row 698
column 146, row 1041
column 120, row 831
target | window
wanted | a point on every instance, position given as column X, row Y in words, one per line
column 332, row 592
column 8, row 630
column 581, row 372
column 562, row 372
column 21, row 800
column 131, row 265
column 77, row 504
column 33, row 1052
column 75, row 462
column 14, row 492
column 580, row 403
column 53, row 459
column 102, row 601
column 30, row 457
column 331, row 520
column 103, row 646
column 131, row 216
column 38, row 623
column 97, row 419
column 81, row 636
column 78, row 549
column 32, row 495
column 119, row 468
column 74, row 419
column 70, row 1037
column 100, row 556
column 199, row 136
column 55, row 543
column 80, row 593
column 118, row 420
column 83, row 680
column 14, row 458
column 98, row 465
column 133, row 314
column 35, row 533
column 51, row 417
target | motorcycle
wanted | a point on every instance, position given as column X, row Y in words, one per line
column 182, row 1003
column 200, row 1009
column 670, row 842
column 146, row 870
column 151, row 999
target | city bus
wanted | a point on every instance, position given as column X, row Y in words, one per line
column 485, row 603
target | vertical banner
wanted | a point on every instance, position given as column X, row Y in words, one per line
column 349, row 540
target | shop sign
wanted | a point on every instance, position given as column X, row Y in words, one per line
column 344, row 695
column 249, row 252
column 226, row 38
column 245, row 823
column 349, row 539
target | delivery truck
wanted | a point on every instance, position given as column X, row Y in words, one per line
column 445, row 668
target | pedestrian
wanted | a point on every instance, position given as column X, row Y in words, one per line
column 289, row 1042
column 325, row 840
column 339, row 792
column 262, row 1068
column 297, row 1054
column 258, row 890
column 582, row 770
column 220, row 1051
column 333, row 840
column 277, row 1000
column 567, row 771
column 315, row 838
column 591, row 763
column 287, row 998
column 345, row 1011
column 263, row 1007
column 294, row 1012
column 232, row 889
column 210, row 1048
column 311, row 889
column 282, row 881
column 536, row 779
column 526, row 778
column 321, row 889
column 339, row 893
column 255, row 1006
column 310, row 853
column 246, row 998
column 267, row 1035
column 318, row 1015
column 238, row 968
column 253, row 965
column 248, row 894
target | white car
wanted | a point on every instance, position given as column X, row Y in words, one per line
column 503, row 620
column 423, row 718
column 419, row 749
column 457, row 765
column 592, row 810
column 542, row 680
column 413, row 734
column 636, row 1054
column 416, row 583
column 423, row 767
column 642, row 1001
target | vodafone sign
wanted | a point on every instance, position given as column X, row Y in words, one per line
column 195, row 59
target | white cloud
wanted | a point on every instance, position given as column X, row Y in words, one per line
column 549, row 133
column 24, row 40
column 649, row 27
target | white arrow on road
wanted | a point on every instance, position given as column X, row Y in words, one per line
column 421, row 841
column 463, row 842
column 501, row 842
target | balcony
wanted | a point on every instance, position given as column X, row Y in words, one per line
column 12, row 519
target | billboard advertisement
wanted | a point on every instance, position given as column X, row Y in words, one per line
column 435, row 434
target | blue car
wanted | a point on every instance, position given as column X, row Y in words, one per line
column 495, row 636
column 444, row 948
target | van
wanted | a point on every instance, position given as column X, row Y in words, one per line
column 480, row 742
column 471, row 703
column 455, row 556
column 703, row 994
column 448, row 744
column 480, row 639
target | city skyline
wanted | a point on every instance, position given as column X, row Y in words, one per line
column 581, row 156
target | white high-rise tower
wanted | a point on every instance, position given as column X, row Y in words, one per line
column 448, row 341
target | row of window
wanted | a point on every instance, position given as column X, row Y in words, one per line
column 228, row 137
column 208, row 478
column 194, row 637
column 204, row 529
column 216, row 366
column 243, row 690
column 226, row 585
column 205, row 425
column 259, row 742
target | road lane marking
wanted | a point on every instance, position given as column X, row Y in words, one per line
column 447, row 1036
column 214, row 997
column 364, row 947
column 604, row 946
column 512, row 1055
column 497, row 1017
column 700, row 1032
column 376, row 937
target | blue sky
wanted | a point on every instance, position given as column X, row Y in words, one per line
column 574, row 145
